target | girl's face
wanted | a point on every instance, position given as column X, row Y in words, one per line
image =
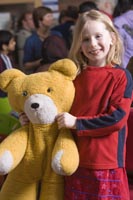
column 96, row 43
column 11, row 45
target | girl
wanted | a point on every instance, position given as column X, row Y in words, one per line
column 7, row 46
column 100, row 111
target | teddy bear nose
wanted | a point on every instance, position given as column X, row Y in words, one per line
column 34, row 105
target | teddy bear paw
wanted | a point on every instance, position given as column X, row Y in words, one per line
column 6, row 161
column 56, row 164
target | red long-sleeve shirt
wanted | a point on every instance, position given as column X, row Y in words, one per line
column 102, row 104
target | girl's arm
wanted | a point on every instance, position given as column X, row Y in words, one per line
column 104, row 123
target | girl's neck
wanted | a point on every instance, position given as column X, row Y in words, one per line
column 98, row 63
column 4, row 53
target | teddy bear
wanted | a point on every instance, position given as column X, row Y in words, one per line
column 38, row 155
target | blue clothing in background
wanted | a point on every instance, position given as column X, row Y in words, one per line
column 65, row 30
column 32, row 48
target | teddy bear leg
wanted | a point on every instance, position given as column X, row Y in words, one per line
column 65, row 156
column 52, row 190
column 18, row 189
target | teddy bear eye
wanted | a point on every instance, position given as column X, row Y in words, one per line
column 24, row 93
column 49, row 90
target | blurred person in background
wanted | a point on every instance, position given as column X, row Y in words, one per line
column 66, row 29
column 43, row 20
column 62, row 17
column 87, row 6
column 123, row 21
column 53, row 49
column 25, row 29
column 107, row 7
column 7, row 46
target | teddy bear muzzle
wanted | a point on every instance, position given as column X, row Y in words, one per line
column 40, row 109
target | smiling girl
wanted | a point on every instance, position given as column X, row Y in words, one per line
column 100, row 111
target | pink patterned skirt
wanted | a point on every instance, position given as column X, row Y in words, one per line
column 86, row 184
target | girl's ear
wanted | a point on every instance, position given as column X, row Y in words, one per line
column 113, row 36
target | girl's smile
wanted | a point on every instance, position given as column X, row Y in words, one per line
column 95, row 52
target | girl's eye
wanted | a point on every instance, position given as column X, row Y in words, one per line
column 98, row 36
column 49, row 90
column 86, row 40
column 24, row 93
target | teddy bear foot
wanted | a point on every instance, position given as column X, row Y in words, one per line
column 64, row 166
column 6, row 161
column 56, row 163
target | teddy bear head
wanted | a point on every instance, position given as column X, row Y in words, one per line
column 41, row 95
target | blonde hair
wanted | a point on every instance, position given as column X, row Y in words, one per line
column 115, row 54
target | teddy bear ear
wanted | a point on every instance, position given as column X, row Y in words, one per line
column 7, row 76
column 65, row 66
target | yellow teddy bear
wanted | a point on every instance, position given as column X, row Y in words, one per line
column 37, row 155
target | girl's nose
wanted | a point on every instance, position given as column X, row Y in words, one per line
column 93, row 42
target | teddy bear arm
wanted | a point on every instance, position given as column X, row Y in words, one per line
column 65, row 157
column 12, row 150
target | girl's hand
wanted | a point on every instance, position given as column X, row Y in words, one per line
column 23, row 119
column 66, row 120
